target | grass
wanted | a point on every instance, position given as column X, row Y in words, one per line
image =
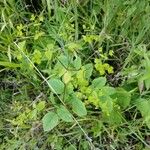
column 74, row 75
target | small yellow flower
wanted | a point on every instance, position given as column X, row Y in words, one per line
column 110, row 70
column 106, row 66
column 111, row 53
column 41, row 18
column 20, row 27
column 37, row 57
column 102, row 72
column 32, row 17
column 100, row 49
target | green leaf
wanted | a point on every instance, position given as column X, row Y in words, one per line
column 67, row 77
column 78, row 106
column 77, row 63
column 107, row 90
column 115, row 117
column 69, row 90
column 146, row 79
column 9, row 64
column 147, row 84
column 99, row 82
column 64, row 114
column 63, row 60
column 106, row 104
column 88, row 70
column 143, row 106
column 50, row 120
column 40, row 106
column 57, row 86
column 123, row 97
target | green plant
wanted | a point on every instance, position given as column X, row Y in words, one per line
column 58, row 69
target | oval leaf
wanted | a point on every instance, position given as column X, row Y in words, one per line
column 99, row 82
column 78, row 107
column 50, row 120
column 88, row 70
column 123, row 97
column 57, row 86
column 77, row 63
column 143, row 106
column 64, row 114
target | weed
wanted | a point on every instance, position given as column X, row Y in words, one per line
column 60, row 63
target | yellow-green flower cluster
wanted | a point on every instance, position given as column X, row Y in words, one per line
column 103, row 67
column 91, row 38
